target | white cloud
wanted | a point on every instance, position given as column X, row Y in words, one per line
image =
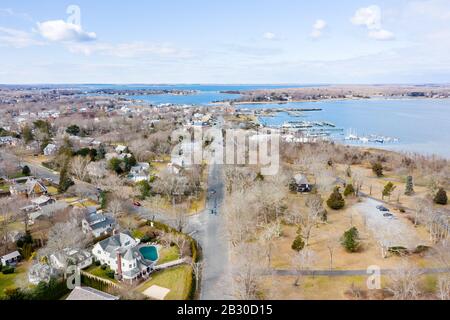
column 61, row 31
column 318, row 28
column 370, row 18
column 381, row 34
column 127, row 50
column 17, row 38
column 269, row 36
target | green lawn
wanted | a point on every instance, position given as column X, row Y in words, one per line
column 97, row 271
column 168, row 254
column 9, row 280
column 178, row 280
column 4, row 187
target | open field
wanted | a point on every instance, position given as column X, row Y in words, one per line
column 178, row 280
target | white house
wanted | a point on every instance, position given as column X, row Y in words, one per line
column 75, row 257
column 121, row 149
column 40, row 272
column 10, row 258
column 50, row 149
column 140, row 172
column 121, row 253
column 96, row 223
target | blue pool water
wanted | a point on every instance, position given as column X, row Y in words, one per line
column 149, row 253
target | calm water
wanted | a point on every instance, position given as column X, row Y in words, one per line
column 421, row 125
column 204, row 96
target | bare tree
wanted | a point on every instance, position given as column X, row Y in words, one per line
column 247, row 272
column 64, row 235
column 404, row 282
column 115, row 206
column 78, row 167
column 302, row 262
column 197, row 268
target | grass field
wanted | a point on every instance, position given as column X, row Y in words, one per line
column 10, row 280
column 178, row 280
column 168, row 254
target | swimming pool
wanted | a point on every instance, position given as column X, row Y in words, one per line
column 149, row 253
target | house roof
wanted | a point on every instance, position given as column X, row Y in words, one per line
column 41, row 200
column 9, row 256
column 300, row 179
column 87, row 293
column 115, row 242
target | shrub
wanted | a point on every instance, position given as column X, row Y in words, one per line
column 110, row 273
column 421, row 249
column 398, row 251
column 377, row 168
column 349, row 190
column 336, row 201
column 104, row 267
column 441, row 197
column 26, row 171
column 97, row 263
column 298, row 244
column 350, row 240
column 8, row 270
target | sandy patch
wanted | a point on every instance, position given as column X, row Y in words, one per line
column 156, row 292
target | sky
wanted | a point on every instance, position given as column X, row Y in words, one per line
column 233, row 41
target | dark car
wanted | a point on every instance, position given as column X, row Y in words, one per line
column 383, row 208
column 388, row 215
column 137, row 204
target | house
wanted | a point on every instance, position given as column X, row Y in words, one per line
column 88, row 294
column 121, row 253
column 10, row 258
column 46, row 210
column 75, row 257
column 8, row 141
column 97, row 224
column 40, row 272
column 140, row 172
column 31, row 188
column 300, row 183
column 42, row 201
column 121, row 149
column 50, row 149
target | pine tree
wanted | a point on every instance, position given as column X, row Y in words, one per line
column 64, row 180
column 409, row 189
column 298, row 244
column 336, row 201
column 441, row 197
column 388, row 189
column 377, row 168
column 350, row 240
column 349, row 190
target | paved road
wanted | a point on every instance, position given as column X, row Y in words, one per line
column 36, row 170
column 216, row 280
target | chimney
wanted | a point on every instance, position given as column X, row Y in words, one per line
column 119, row 265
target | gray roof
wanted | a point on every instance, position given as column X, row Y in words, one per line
column 114, row 242
column 87, row 293
column 10, row 256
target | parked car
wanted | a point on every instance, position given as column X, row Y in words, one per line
column 388, row 215
column 383, row 208
column 137, row 204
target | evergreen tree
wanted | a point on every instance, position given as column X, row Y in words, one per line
column 298, row 244
column 377, row 168
column 349, row 190
column 350, row 240
column 441, row 197
column 27, row 134
column 409, row 189
column 388, row 189
column 64, row 179
column 336, row 201
column 26, row 171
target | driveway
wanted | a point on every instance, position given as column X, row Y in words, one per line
column 392, row 231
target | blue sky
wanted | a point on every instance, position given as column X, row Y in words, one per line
column 233, row 41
